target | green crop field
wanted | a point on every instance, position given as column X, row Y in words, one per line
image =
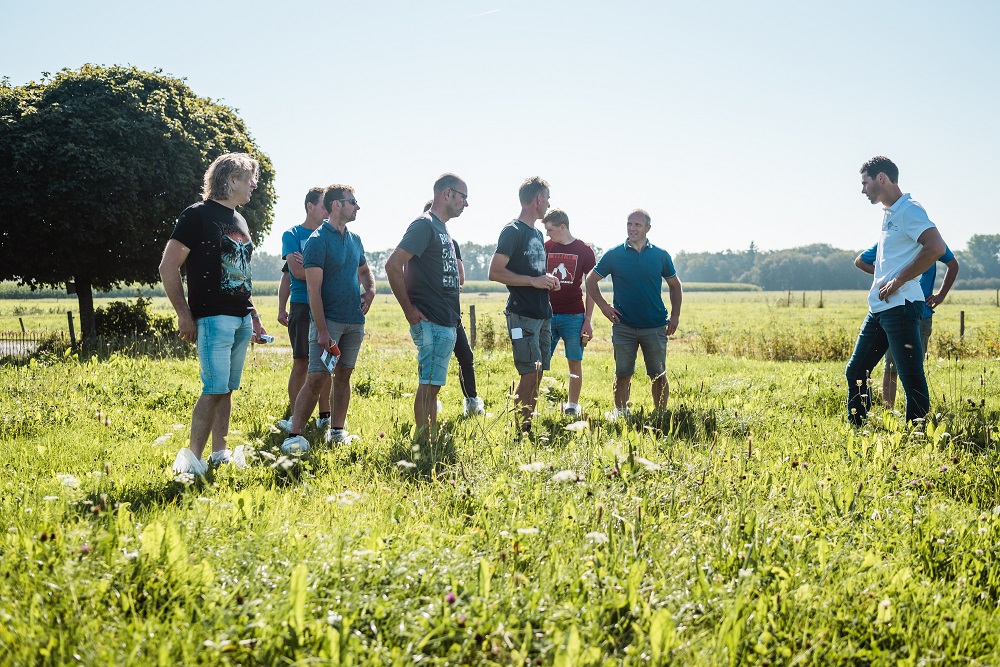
column 749, row 524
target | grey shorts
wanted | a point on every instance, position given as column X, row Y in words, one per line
column 627, row 341
column 925, row 339
column 348, row 337
column 298, row 329
column 531, row 341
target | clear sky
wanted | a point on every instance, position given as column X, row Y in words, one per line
column 730, row 122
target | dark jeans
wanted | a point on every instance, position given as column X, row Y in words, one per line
column 896, row 329
column 466, row 371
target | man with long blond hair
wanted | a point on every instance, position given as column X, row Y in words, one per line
column 213, row 241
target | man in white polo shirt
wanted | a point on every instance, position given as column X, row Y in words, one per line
column 909, row 244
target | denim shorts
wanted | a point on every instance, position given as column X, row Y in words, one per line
column 530, row 340
column 222, row 349
column 568, row 327
column 627, row 341
column 435, row 343
column 348, row 337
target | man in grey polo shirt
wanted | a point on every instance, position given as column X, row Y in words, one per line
column 428, row 293
column 519, row 263
column 336, row 269
column 639, row 318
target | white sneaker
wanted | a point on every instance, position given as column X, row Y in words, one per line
column 285, row 425
column 322, row 423
column 186, row 462
column 337, row 435
column 616, row 414
column 236, row 458
column 298, row 444
column 474, row 406
column 440, row 406
column 572, row 409
column 220, row 458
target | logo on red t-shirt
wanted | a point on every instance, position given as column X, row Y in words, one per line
column 562, row 266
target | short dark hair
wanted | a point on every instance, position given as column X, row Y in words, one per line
column 556, row 216
column 427, row 206
column 314, row 196
column 333, row 193
column 446, row 181
column 644, row 213
column 531, row 188
column 880, row 164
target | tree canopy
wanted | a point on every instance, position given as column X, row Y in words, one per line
column 97, row 164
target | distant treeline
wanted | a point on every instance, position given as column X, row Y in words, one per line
column 812, row 267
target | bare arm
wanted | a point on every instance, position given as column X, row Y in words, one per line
column 594, row 294
column 284, row 289
column 676, row 297
column 367, row 281
column 499, row 273
column 461, row 273
column 588, row 326
column 295, row 265
column 394, row 272
column 314, row 285
column 174, row 256
column 864, row 266
column 950, row 274
column 933, row 248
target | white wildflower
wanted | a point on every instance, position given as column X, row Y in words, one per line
column 162, row 439
column 647, row 464
column 597, row 537
column 184, row 478
column 267, row 455
column 49, row 499
column 527, row 531
column 535, row 466
column 405, row 465
column 565, row 476
column 348, row 497
column 577, row 426
column 745, row 572
column 68, row 480
column 885, row 604
column 177, row 427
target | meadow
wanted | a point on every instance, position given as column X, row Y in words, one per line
column 749, row 524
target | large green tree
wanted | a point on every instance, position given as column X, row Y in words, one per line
column 95, row 166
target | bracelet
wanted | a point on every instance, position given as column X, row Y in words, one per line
column 255, row 316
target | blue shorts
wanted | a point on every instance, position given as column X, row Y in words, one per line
column 222, row 349
column 568, row 327
column 435, row 344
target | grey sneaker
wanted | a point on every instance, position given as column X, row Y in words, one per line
column 337, row 435
column 572, row 409
column 322, row 423
column 298, row 444
column 474, row 406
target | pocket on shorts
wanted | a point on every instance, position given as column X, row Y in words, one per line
column 416, row 333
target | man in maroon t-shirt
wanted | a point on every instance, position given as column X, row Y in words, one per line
column 570, row 260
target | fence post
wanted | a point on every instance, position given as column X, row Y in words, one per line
column 961, row 325
column 72, row 333
column 789, row 301
column 472, row 325
column 21, row 320
column 803, row 299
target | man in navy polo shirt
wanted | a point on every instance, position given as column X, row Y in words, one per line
column 909, row 245
column 866, row 262
column 638, row 317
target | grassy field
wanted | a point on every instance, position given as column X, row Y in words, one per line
column 749, row 524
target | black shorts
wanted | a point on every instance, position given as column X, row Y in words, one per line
column 298, row 329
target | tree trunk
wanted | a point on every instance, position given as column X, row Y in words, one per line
column 85, row 300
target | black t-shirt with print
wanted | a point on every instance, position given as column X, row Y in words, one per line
column 218, row 266
column 432, row 272
column 526, row 248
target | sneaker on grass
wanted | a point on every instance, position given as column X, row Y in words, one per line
column 295, row 445
column 236, row 457
column 187, row 462
column 572, row 409
column 285, row 425
column 337, row 435
column 474, row 406
column 616, row 414
column 322, row 423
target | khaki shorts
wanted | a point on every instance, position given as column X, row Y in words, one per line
column 531, row 341
column 627, row 341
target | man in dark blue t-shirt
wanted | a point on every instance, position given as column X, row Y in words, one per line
column 639, row 318
column 519, row 263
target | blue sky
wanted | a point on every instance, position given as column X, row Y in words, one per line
column 730, row 122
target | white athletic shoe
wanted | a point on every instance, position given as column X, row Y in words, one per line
column 572, row 409
column 236, row 458
column 322, row 423
column 337, row 435
column 616, row 414
column 298, row 444
column 474, row 406
column 186, row 462
column 285, row 425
